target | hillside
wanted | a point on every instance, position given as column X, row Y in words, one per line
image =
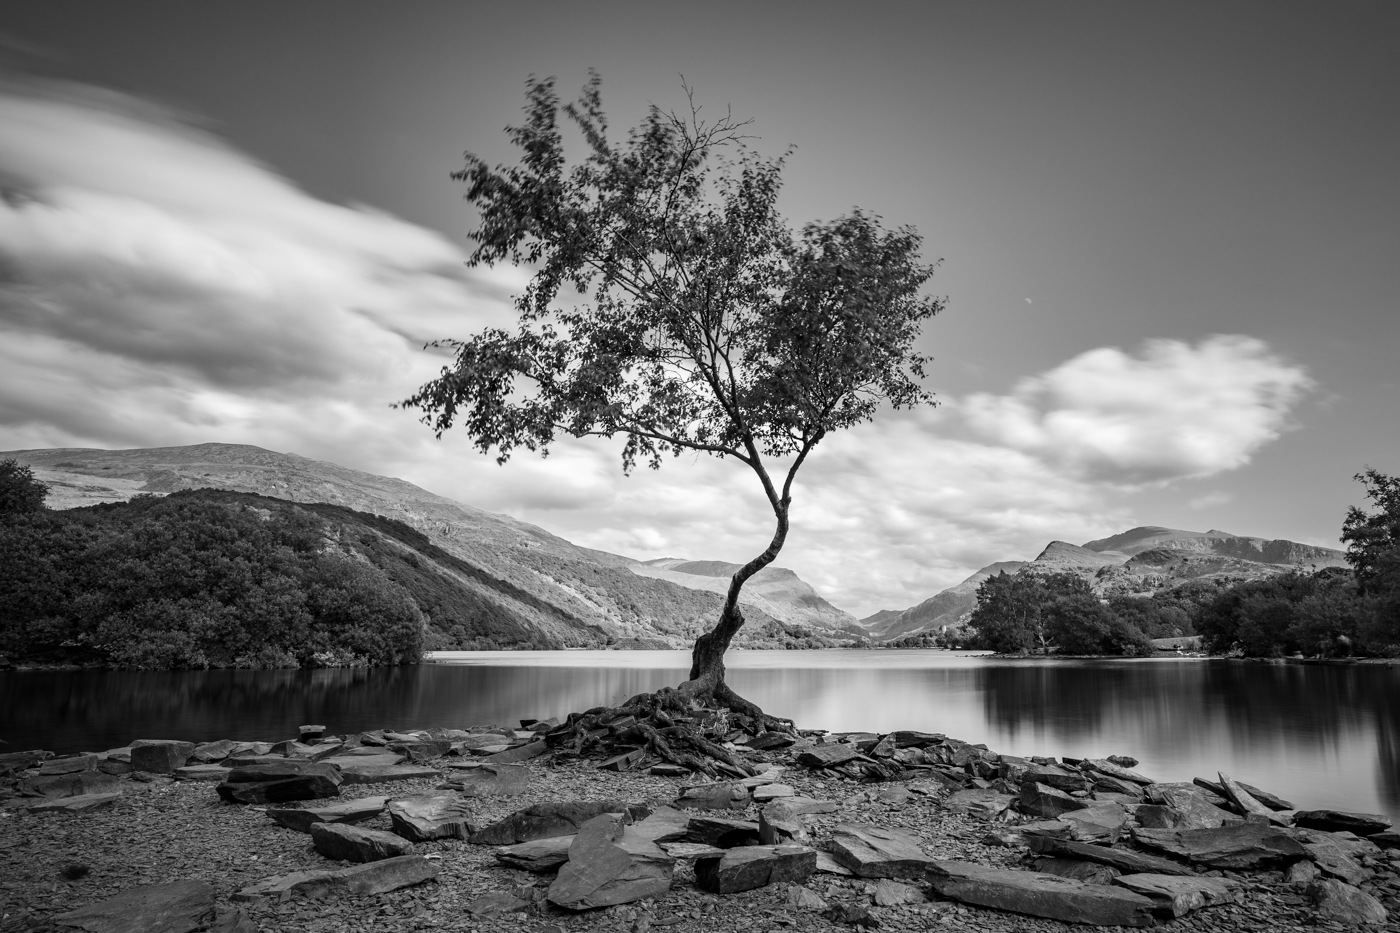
column 523, row 585
column 1138, row 561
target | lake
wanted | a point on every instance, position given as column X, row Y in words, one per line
column 1319, row 735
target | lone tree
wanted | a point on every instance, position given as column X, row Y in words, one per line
column 697, row 320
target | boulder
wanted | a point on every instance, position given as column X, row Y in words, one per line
column 543, row 820
column 1362, row 824
column 1341, row 903
column 1075, row 869
column 493, row 781
column 12, row 762
column 379, row 877
column 878, row 852
column 282, row 768
column 1125, row 860
column 160, row 756
column 355, row 844
column 346, row 811
column 1197, row 814
column 717, row 796
column 1104, row 783
column 744, row 869
column 173, row 907
column 421, row 817
column 828, row 756
column 540, row 856
column 606, row 868
column 1176, row 896
column 1238, row 846
column 73, row 784
column 79, row 804
column 1044, row 801
column 1040, row 895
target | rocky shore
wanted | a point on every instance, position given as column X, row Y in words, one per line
column 491, row 828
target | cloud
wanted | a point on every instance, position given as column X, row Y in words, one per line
column 1172, row 412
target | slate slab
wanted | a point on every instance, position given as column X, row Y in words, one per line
column 421, row 817
column 1341, row 903
column 73, row 784
column 605, row 868
column 1246, row 802
column 388, row 774
column 518, row 753
column 80, row 804
column 1041, row 800
column 1177, row 896
column 540, row 856
column 828, row 756
column 1054, row 776
column 980, row 802
column 543, row 820
column 750, row 867
column 1098, row 822
column 1125, row 860
column 69, row 764
column 493, row 781
column 173, row 907
column 1113, row 770
column 663, row 825
column 1362, row 824
column 213, row 773
column 871, row 851
column 348, row 843
column 1238, row 846
column 346, row 811
column 721, row 833
column 160, row 756
column 1040, row 895
column 380, row 877
column 721, row 795
column 271, row 783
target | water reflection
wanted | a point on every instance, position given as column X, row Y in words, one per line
column 1326, row 736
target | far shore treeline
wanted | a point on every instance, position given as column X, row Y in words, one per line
column 210, row 578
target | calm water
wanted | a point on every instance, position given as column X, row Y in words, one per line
column 1321, row 736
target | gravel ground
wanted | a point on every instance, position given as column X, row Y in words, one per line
column 164, row 830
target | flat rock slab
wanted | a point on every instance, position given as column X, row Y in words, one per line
column 665, row 824
column 496, row 904
column 160, row 756
column 1330, row 855
column 1238, row 846
column 985, row 803
column 1075, row 869
column 380, row 877
column 1125, row 860
column 386, row 774
column 79, row 804
column 73, row 784
column 1054, row 776
column 348, row 843
column 692, row 850
column 538, row 855
column 431, row 816
column 544, row 820
column 346, row 811
column 362, row 758
column 277, row 769
column 214, row 773
column 721, row 833
column 1362, row 824
column 1341, row 903
column 828, row 756
column 605, row 868
column 494, row 781
column 1046, row 802
column 518, row 753
column 302, row 787
column 69, row 764
column 211, row 752
column 1040, row 895
column 829, row 865
column 794, row 808
column 773, row 832
column 1098, row 822
column 1104, row 766
column 878, row 852
column 719, row 796
column 1195, row 813
column 772, row 792
column 894, row 894
column 173, row 907
column 1177, row 896
column 752, row 867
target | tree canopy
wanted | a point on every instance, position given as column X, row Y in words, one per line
column 20, row 491
column 673, row 307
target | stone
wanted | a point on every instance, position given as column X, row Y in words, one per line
column 691, row 850
column 79, row 804
column 1044, row 801
column 1125, row 860
column 828, row 756
column 1177, row 896
column 543, row 820
column 669, row 770
column 160, row 756
column 421, row 817
column 1059, row 778
column 355, row 844
column 388, row 774
column 772, row 832
column 1386, row 839
column 771, row 741
column 73, row 784
column 213, row 773
column 1040, row 895
column 718, row 796
column 772, row 792
column 69, row 765
column 518, row 753
column 11, row 762
column 1362, row 824
column 1114, row 770
column 623, row 762
column 345, row 811
column 606, row 868
column 1341, row 903
column 800, row 897
column 1303, row 872
column 493, row 781
column 792, row 808
column 1245, row 801
column 1238, row 846
column 421, row 752
column 292, row 749
column 878, row 852
column 663, row 825
column 173, row 907
column 1123, row 761
column 893, row 894
column 885, row 748
column 1075, row 869
column 309, row 732
column 856, row 915
column 829, row 865
column 722, row 833
column 986, row 804
column 538, row 855
column 496, row 903
column 379, row 877
column 750, row 867
column 1194, row 814
column 1098, row 822
column 1331, row 858
column 232, row 920
column 282, row 768
column 481, row 740
column 310, row 786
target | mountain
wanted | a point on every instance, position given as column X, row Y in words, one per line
column 776, row 590
column 1140, row 560
column 528, row 587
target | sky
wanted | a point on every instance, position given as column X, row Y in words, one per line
column 1167, row 237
